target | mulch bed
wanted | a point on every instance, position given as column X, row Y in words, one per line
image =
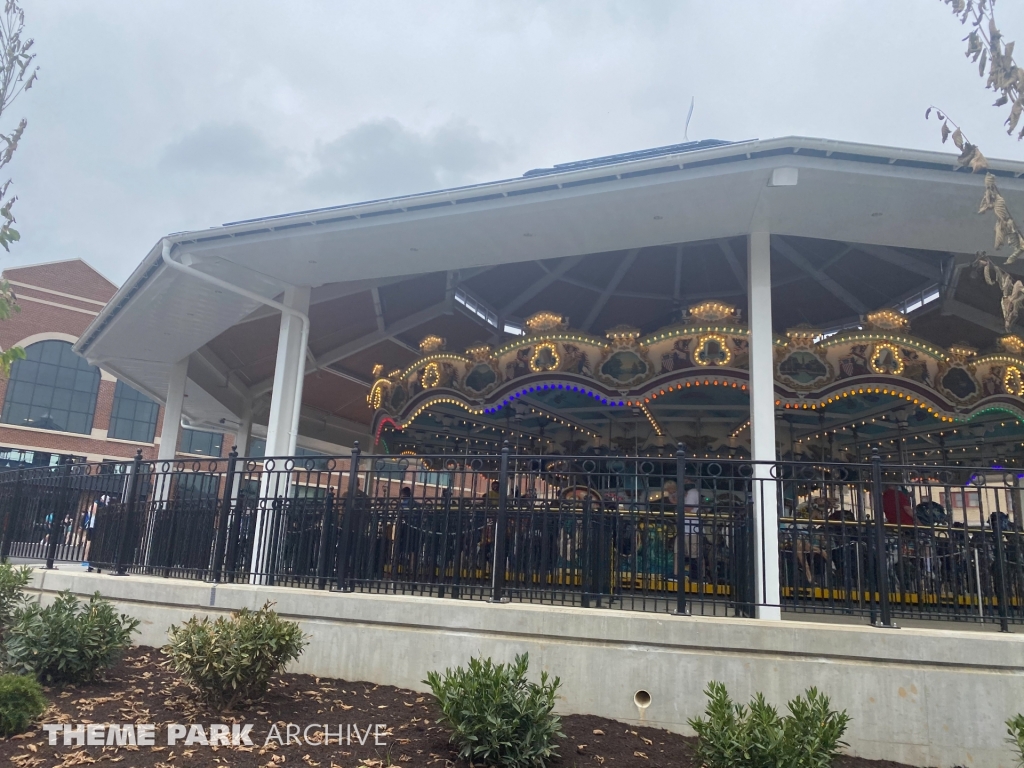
column 141, row 690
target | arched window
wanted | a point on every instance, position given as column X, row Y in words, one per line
column 133, row 416
column 52, row 388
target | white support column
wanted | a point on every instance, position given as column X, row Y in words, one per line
column 244, row 435
column 172, row 411
column 282, row 428
column 169, row 431
column 170, row 428
column 762, row 425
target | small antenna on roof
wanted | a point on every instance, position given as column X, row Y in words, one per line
column 686, row 129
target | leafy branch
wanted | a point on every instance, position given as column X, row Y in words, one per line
column 986, row 48
column 17, row 75
column 16, row 59
column 8, row 306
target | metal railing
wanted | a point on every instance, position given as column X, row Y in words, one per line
column 671, row 533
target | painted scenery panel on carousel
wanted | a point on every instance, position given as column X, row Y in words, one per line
column 624, row 367
column 480, row 378
column 957, row 382
column 804, row 369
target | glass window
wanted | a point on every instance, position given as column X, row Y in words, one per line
column 14, row 458
column 300, row 491
column 196, row 486
column 133, row 416
column 52, row 388
column 257, row 448
column 204, row 443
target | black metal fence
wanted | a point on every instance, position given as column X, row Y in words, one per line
column 671, row 533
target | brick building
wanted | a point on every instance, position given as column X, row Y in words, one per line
column 55, row 405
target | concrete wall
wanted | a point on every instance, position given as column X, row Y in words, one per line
column 923, row 697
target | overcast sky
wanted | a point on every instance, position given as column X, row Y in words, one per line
column 151, row 117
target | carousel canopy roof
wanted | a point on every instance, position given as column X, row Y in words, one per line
column 625, row 239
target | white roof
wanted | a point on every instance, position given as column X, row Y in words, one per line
column 848, row 192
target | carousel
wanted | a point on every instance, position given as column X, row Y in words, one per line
column 556, row 390
column 792, row 305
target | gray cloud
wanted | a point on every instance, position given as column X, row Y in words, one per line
column 215, row 148
column 382, row 158
column 161, row 117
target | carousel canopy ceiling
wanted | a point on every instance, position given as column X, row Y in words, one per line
column 626, row 240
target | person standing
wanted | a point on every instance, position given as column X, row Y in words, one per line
column 89, row 525
column 691, row 533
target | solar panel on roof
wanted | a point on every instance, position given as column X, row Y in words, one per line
column 626, row 157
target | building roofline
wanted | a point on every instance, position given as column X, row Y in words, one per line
column 61, row 261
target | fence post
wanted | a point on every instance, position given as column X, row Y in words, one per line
column 225, row 513
column 1000, row 585
column 12, row 510
column 588, row 547
column 346, row 524
column 881, row 571
column 235, row 530
column 680, row 553
column 500, row 526
column 129, row 513
column 58, row 514
column 326, row 529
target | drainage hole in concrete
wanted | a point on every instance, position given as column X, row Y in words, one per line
column 642, row 699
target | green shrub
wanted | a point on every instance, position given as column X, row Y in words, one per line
column 21, row 702
column 231, row 660
column 68, row 641
column 1015, row 729
column 497, row 716
column 813, row 731
column 732, row 735
column 12, row 591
